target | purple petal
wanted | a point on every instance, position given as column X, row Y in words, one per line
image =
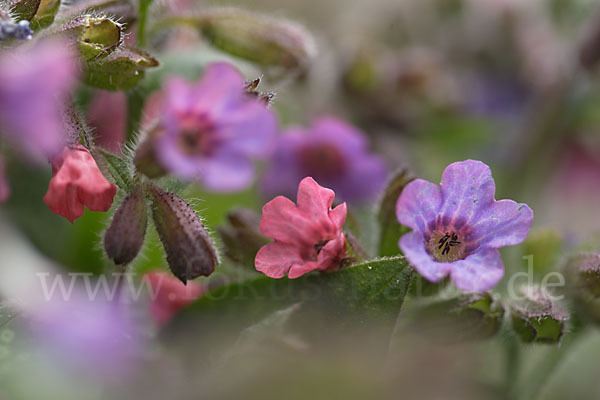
column 413, row 246
column 418, row 204
column 503, row 223
column 250, row 129
column 228, row 172
column 478, row 272
column 467, row 188
column 173, row 159
column 220, row 89
column 340, row 133
column 364, row 180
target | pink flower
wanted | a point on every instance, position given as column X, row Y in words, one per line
column 170, row 295
column 107, row 114
column 77, row 182
column 4, row 188
column 307, row 237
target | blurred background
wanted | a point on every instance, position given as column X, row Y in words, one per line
column 512, row 83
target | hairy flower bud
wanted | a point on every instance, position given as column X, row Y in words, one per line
column 190, row 250
column 583, row 279
column 537, row 318
column 125, row 236
column 95, row 36
column 242, row 237
column 258, row 38
column 473, row 316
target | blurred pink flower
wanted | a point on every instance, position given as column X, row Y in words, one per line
column 211, row 130
column 4, row 188
column 33, row 83
column 77, row 182
column 307, row 237
column 170, row 295
column 107, row 114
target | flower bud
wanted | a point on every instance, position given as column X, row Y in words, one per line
column 125, row 236
column 537, row 318
column 96, row 36
column 190, row 251
column 258, row 38
column 583, row 281
column 467, row 317
column 242, row 237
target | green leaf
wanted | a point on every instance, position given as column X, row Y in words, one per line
column 96, row 37
column 367, row 296
column 390, row 228
column 45, row 14
column 25, row 9
column 121, row 70
column 118, row 168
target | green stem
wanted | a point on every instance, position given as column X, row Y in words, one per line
column 144, row 5
column 543, row 370
column 512, row 365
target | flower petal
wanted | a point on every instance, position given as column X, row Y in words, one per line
column 251, row 128
column 283, row 221
column 314, row 199
column 418, row 204
column 227, row 172
column 339, row 133
column 364, row 180
column 338, row 215
column 504, row 223
column 478, row 272
column 275, row 259
column 413, row 246
column 220, row 89
column 467, row 188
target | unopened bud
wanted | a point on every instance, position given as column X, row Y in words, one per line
column 472, row 316
column 96, row 36
column 583, row 282
column 125, row 236
column 242, row 237
column 538, row 318
column 190, row 250
column 258, row 38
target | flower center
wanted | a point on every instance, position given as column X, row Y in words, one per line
column 446, row 246
column 197, row 135
column 323, row 161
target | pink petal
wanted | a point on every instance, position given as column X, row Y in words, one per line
column 275, row 259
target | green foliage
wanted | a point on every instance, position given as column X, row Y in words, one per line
column 367, row 294
column 390, row 228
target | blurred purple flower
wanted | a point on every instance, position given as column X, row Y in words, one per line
column 90, row 333
column 334, row 153
column 459, row 226
column 32, row 84
column 4, row 188
column 211, row 130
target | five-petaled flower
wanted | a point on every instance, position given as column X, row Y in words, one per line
column 332, row 152
column 211, row 130
column 77, row 182
column 307, row 237
column 459, row 226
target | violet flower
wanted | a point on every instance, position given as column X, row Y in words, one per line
column 211, row 130
column 459, row 226
column 32, row 84
column 332, row 152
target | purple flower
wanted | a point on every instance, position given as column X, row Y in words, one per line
column 333, row 153
column 211, row 130
column 459, row 226
column 32, row 84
